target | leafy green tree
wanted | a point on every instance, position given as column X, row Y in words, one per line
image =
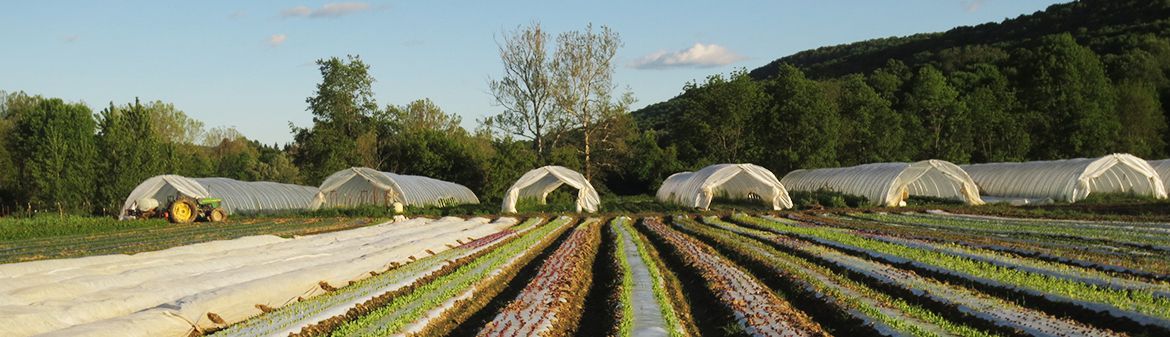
column 237, row 159
column 435, row 154
column 961, row 58
column 714, row 119
column 799, row 130
column 889, row 80
column 871, row 131
column 1139, row 109
column 130, row 150
column 507, row 161
column 423, row 114
column 1065, row 85
column 1143, row 90
column 945, row 131
column 341, row 106
column 55, row 143
column 420, row 138
column 193, row 160
column 10, row 195
column 173, row 124
column 276, row 165
column 1142, row 58
column 648, row 164
column 234, row 156
column 998, row 125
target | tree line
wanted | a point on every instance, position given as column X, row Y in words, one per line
column 59, row 156
column 1051, row 98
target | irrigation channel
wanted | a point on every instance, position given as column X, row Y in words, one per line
column 778, row 274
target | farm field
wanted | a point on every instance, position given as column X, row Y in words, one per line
column 738, row 274
column 44, row 238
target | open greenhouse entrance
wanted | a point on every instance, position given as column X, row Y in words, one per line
column 538, row 183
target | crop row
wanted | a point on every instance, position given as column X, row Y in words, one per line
column 431, row 308
column 1162, row 227
column 756, row 309
column 551, row 304
column 835, row 300
column 318, row 314
column 651, row 298
column 1137, row 307
column 959, row 303
column 626, row 314
column 1053, row 269
column 1116, row 234
column 1071, row 252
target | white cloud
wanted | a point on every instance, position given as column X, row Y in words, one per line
column 697, row 56
column 296, row 11
column 237, row 15
column 277, row 39
column 70, row 38
column 330, row 10
column 972, row 6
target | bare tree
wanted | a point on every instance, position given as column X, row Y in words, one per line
column 524, row 91
column 582, row 84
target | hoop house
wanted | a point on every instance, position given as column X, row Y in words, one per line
column 359, row 186
column 1069, row 180
column 741, row 181
column 890, row 184
column 538, row 183
column 238, row 196
column 1163, row 169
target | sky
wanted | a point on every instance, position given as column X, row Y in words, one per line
column 250, row 64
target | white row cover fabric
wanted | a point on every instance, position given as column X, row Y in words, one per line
column 358, row 186
column 740, row 181
column 1163, row 169
column 1069, row 180
column 175, row 292
column 889, row 184
column 538, row 183
column 238, row 196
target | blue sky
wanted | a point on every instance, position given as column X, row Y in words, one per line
column 250, row 64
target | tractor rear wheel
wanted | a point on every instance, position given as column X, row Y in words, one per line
column 183, row 211
column 217, row 215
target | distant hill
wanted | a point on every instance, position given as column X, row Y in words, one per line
column 1097, row 24
column 1101, row 25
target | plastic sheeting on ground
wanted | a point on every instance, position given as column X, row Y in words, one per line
column 206, row 286
column 738, row 181
column 538, row 183
column 1069, row 180
column 889, row 184
column 360, row 186
column 238, row 196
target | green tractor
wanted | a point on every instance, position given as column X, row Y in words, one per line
column 181, row 210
